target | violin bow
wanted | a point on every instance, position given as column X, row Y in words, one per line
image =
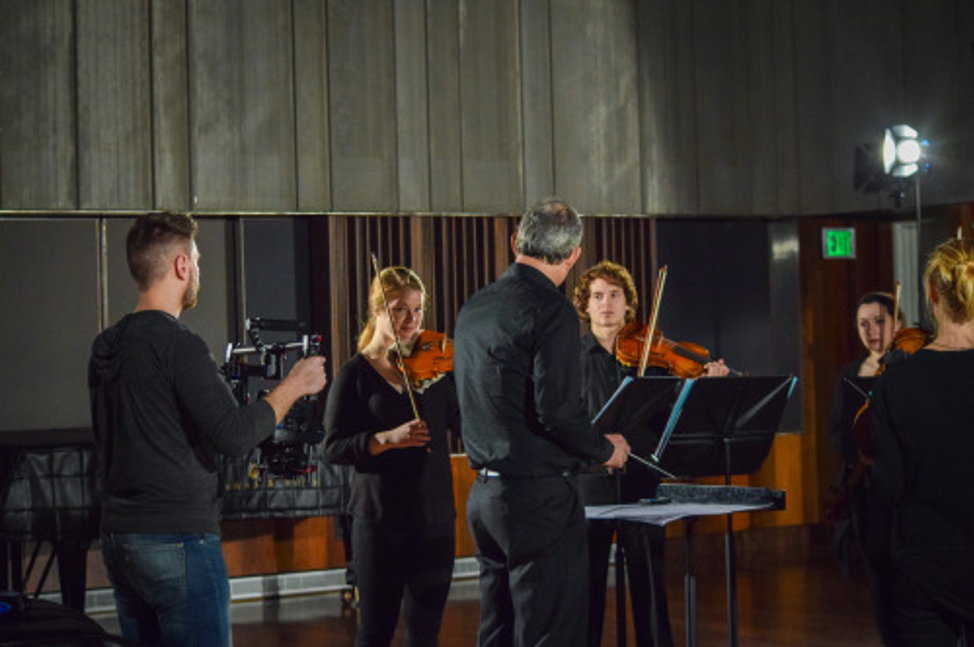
column 395, row 335
column 896, row 313
column 896, row 305
column 657, row 297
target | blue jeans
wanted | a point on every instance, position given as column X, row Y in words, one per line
column 170, row 590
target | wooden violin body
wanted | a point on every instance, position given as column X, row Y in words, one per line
column 682, row 359
column 906, row 341
column 429, row 358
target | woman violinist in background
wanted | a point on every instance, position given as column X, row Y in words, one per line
column 863, row 520
column 606, row 299
column 923, row 431
column 396, row 437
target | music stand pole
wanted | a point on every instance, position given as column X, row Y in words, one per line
column 730, row 557
column 690, row 586
column 620, row 571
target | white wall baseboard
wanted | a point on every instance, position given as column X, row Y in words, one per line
column 260, row 587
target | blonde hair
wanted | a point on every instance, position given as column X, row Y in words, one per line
column 613, row 273
column 950, row 272
column 390, row 282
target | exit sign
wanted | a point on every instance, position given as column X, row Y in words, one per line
column 838, row 243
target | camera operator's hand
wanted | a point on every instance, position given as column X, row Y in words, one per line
column 307, row 377
column 414, row 433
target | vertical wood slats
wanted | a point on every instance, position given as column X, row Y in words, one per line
column 454, row 255
column 627, row 241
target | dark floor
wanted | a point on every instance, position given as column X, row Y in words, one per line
column 790, row 593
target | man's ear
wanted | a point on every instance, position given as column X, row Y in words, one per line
column 180, row 265
column 514, row 243
column 573, row 257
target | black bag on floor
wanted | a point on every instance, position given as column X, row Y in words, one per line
column 39, row 623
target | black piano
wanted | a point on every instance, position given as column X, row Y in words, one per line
column 49, row 494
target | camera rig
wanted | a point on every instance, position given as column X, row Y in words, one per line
column 288, row 453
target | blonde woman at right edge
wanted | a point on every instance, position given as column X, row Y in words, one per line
column 923, row 428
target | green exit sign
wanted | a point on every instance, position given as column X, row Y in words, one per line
column 838, row 243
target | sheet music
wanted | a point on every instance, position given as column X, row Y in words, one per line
column 664, row 513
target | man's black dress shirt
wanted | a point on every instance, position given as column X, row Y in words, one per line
column 516, row 363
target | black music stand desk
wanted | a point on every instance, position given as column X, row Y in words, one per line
column 636, row 407
column 717, row 427
column 689, row 503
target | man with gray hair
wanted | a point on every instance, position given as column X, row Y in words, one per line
column 526, row 432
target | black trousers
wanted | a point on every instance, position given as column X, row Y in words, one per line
column 644, row 547
column 532, row 548
column 932, row 595
column 872, row 523
column 398, row 567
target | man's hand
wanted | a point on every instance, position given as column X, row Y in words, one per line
column 620, row 451
column 716, row 369
column 307, row 377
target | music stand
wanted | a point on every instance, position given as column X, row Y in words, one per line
column 860, row 388
column 721, row 428
column 636, row 410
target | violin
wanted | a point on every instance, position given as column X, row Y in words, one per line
column 682, row 359
column 906, row 341
column 428, row 360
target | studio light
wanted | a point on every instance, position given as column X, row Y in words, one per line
column 892, row 164
column 903, row 151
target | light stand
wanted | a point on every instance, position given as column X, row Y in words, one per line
column 920, row 300
column 904, row 160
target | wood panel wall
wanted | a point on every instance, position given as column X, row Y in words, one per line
column 830, row 289
column 455, row 256
column 665, row 107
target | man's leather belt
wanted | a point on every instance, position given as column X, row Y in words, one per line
column 485, row 474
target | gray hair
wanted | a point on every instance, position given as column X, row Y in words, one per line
column 549, row 231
